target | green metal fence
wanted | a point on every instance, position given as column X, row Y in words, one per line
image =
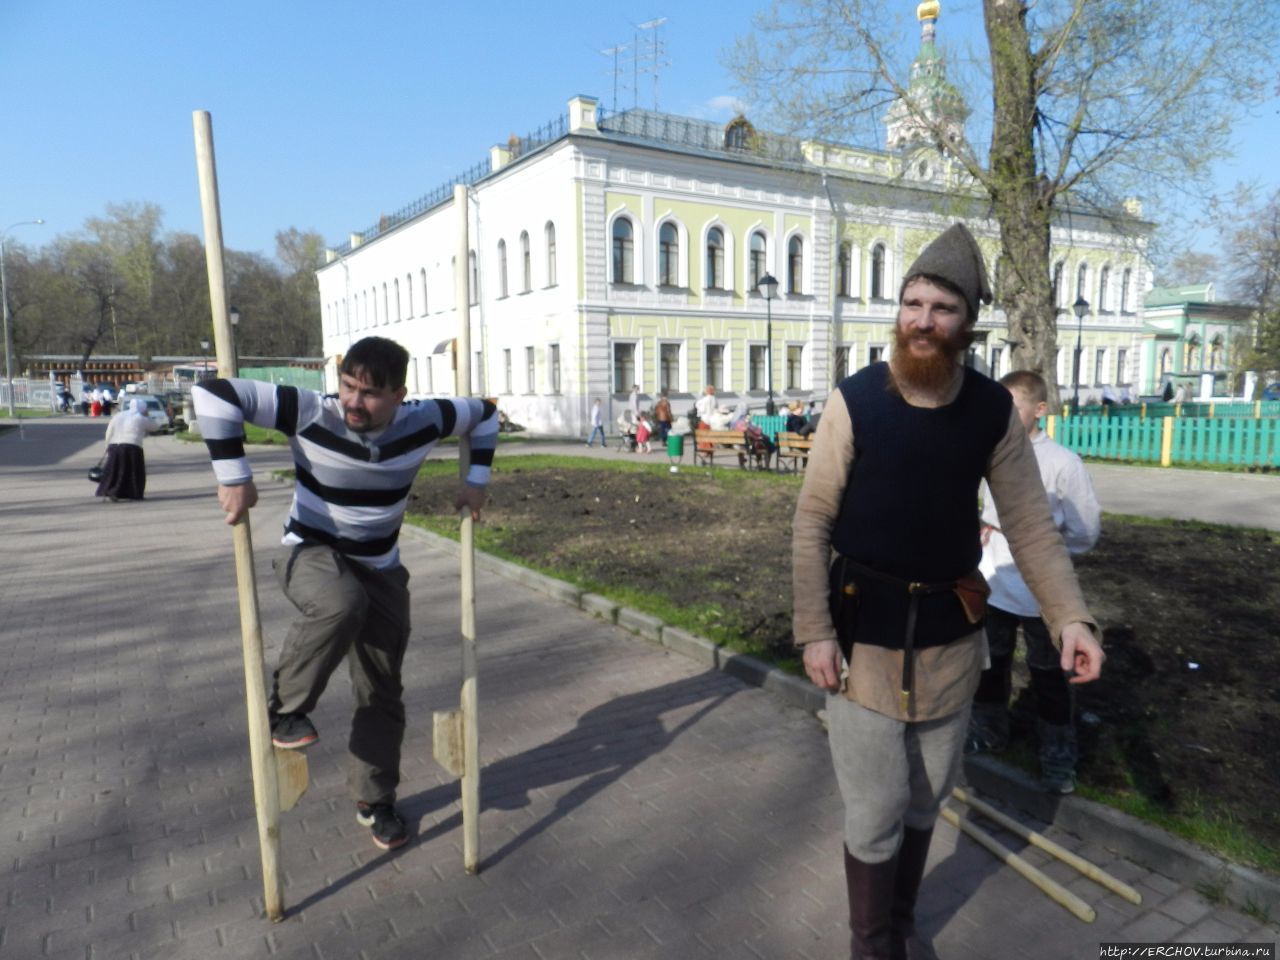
column 1259, row 408
column 1172, row 441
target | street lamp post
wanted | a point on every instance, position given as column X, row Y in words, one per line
column 4, row 309
column 1079, row 308
column 770, row 286
column 204, row 366
column 235, row 341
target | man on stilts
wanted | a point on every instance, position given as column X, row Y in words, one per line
column 355, row 456
column 885, row 555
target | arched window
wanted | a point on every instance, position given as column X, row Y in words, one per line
column 1191, row 359
column 795, row 265
column 502, row 268
column 1215, row 352
column 668, row 255
column 1166, row 361
column 758, row 248
column 550, row 233
column 845, row 289
column 1057, row 284
column 408, row 289
column 1104, row 283
column 877, row 272
column 386, row 308
column 423, row 277
column 397, row 287
column 473, row 277
column 1082, row 281
column 715, row 259
column 1124, row 290
column 526, row 262
column 623, row 251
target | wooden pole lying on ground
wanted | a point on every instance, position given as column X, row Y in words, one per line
column 457, row 732
column 1090, row 870
column 266, row 779
column 1055, row 890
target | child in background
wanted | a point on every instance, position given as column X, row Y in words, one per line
column 644, row 430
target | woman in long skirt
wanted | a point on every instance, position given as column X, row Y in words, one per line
column 124, row 475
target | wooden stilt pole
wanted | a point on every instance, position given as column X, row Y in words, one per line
column 1092, row 871
column 469, row 701
column 1055, row 891
column 266, row 791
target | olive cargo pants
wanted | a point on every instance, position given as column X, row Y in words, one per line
column 352, row 611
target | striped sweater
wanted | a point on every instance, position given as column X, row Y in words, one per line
column 351, row 488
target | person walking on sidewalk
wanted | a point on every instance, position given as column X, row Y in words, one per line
column 597, row 423
column 892, row 487
column 356, row 456
column 124, row 474
column 1078, row 518
column 662, row 417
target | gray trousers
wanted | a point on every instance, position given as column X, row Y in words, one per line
column 348, row 610
column 892, row 773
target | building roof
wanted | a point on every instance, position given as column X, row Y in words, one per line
column 1172, row 296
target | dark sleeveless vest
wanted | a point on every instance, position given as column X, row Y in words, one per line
column 908, row 523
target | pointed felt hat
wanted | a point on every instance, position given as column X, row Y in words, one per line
column 956, row 258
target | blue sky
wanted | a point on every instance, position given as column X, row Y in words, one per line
column 327, row 114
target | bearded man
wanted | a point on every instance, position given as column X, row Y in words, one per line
column 889, row 603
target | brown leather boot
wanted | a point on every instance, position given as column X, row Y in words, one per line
column 912, row 855
column 870, row 902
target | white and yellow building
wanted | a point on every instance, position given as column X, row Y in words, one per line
column 612, row 250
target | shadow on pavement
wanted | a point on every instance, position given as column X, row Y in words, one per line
column 607, row 742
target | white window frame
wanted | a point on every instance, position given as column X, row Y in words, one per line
column 637, row 247
column 726, row 378
column 680, row 386
column 637, row 360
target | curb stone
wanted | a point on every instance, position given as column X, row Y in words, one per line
column 1146, row 845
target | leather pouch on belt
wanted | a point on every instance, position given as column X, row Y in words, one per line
column 972, row 591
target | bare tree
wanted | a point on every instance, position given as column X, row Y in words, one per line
column 1087, row 102
column 1251, row 231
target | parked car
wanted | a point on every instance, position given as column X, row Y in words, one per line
column 155, row 410
column 1271, row 391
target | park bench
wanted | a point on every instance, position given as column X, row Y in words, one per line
column 710, row 442
column 793, row 447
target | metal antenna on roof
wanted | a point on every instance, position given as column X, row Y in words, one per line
column 613, row 52
column 651, row 57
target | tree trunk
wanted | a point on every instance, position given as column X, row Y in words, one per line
column 1020, row 199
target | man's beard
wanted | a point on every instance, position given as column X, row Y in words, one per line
column 358, row 422
column 932, row 373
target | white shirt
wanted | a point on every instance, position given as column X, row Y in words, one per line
column 597, row 418
column 1076, row 514
column 706, row 406
column 130, row 427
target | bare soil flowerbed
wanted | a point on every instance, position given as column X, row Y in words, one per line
column 1183, row 723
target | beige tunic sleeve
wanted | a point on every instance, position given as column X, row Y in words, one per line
column 1026, row 520
column 816, row 511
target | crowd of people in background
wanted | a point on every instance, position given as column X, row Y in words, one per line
column 646, row 429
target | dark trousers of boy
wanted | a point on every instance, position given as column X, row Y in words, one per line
column 1052, row 695
column 1055, row 726
column 361, row 614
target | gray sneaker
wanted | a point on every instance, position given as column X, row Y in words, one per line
column 1058, row 756
column 386, row 826
column 292, row 731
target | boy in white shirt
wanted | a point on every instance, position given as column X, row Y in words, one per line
column 1011, row 605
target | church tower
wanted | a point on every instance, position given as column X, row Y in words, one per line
column 936, row 101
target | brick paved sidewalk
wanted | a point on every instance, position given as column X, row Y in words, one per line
column 636, row 805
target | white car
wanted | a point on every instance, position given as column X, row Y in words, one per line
column 155, row 409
